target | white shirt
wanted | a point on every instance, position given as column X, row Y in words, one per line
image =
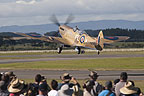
column 53, row 93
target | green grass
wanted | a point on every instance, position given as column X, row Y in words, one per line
column 99, row 64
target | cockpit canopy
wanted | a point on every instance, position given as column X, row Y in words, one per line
column 80, row 32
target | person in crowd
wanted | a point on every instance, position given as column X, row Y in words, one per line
column 5, row 80
column 87, row 87
column 139, row 93
column 54, row 85
column 0, row 76
column 38, row 78
column 31, row 91
column 108, row 90
column 10, row 74
column 121, row 83
column 65, row 91
column 66, row 88
column 44, row 80
column 129, row 89
column 76, row 28
column 115, row 82
column 3, row 91
column 43, row 90
column 17, row 87
column 97, row 87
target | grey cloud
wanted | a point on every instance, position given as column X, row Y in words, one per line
column 7, row 1
column 61, row 7
column 84, row 9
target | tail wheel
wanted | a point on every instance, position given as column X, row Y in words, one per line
column 82, row 52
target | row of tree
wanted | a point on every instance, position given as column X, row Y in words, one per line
column 136, row 36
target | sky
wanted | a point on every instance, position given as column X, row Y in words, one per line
column 35, row 12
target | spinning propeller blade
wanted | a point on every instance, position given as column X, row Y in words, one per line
column 54, row 20
column 69, row 19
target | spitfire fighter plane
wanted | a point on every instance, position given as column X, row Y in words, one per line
column 73, row 37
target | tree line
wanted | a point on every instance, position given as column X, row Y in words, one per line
column 136, row 40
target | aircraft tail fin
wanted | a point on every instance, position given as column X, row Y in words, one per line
column 100, row 41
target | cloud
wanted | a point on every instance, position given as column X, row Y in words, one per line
column 25, row 2
column 7, row 1
column 22, row 11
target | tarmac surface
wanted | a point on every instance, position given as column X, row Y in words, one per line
column 64, row 57
column 78, row 74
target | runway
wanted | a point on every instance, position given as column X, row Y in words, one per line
column 64, row 57
column 78, row 74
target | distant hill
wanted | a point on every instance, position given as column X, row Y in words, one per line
column 93, row 25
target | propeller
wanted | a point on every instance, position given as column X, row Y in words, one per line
column 54, row 20
column 69, row 19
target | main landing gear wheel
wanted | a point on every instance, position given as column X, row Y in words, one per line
column 79, row 50
column 59, row 50
column 98, row 53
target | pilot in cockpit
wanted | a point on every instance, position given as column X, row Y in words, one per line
column 76, row 29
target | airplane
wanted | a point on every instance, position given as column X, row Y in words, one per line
column 73, row 37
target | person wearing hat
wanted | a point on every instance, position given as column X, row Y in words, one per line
column 66, row 78
column 65, row 91
column 129, row 90
column 17, row 87
column 10, row 74
column 97, row 87
column 121, row 83
column 108, row 90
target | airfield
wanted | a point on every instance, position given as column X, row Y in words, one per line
column 109, row 64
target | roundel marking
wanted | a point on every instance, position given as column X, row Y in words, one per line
column 82, row 39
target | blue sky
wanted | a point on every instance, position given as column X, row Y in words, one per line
column 34, row 12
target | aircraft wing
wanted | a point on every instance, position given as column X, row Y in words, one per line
column 113, row 39
column 57, row 40
column 39, row 37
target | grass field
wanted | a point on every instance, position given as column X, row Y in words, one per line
column 99, row 64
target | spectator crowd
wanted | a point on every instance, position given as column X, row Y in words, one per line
column 10, row 85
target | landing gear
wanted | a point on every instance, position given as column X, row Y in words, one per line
column 59, row 50
column 98, row 53
column 79, row 51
